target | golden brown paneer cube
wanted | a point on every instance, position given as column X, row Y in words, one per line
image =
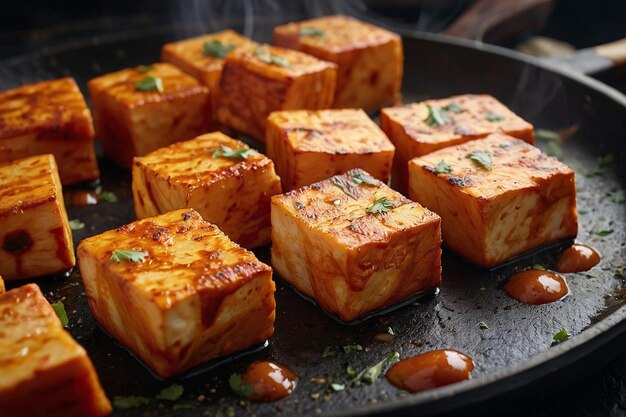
column 421, row 128
column 257, row 81
column 498, row 197
column 43, row 371
column 229, row 184
column 138, row 110
column 202, row 57
column 369, row 59
column 176, row 291
column 312, row 145
column 35, row 234
column 49, row 117
column 355, row 245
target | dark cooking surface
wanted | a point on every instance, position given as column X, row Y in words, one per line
column 468, row 296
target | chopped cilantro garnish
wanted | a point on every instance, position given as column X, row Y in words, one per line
column 131, row 401
column 76, row 224
column 149, row 84
column 59, row 309
column 171, row 393
column 436, row 117
column 442, row 168
column 381, row 205
column 128, row 255
column 239, row 388
column 228, row 152
column 217, row 49
column 482, row 158
column 560, row 336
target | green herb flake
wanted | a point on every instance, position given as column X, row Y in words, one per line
column 548, row 135
column 328, row 352
column 143, row 68
column 76, row 224
column 381, row 205
column 336, row 387
column 128, row 255
column 604, row 232
column 149, row 84
column 481, row 158
column 363, row 177
column 352, row 348
column 493, row 117
column 171, row 393
column 483, row 325
column 131, row 401
column 228, row 152
column 217, row 49
column 311, row 31
column 390, row 331
column 59, row 309
column 554, row 149
column 539, row 266
column 264, row 55
column 618, row 197
column 560, row 336
column 436, row 117
column 240, row 389
column 351, row 373
column 371, row 374
column 106, row 196
column 443, row 168
column 453, row 107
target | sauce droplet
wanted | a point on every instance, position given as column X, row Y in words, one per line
column 81, row 198
column 578, row 258
column 270, row 381
column 537, row 286
column 431, row 370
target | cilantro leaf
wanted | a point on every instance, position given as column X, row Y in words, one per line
column 106, row 196
column 380, row 205
column 228, row 152
column 149, row 84
column 311, row 31
column 335, row 387
column 266, row 56
column 483, row 325
column 128, row 255
column 352, row 348
column 217, row 49
column 481, row 158
column 59, row 309
column 143, row 68
column 131, row 401
column 239, row 388
column 560, row 336
column 171, row 393
column 554, row 149
column 351, row 373
column 493, row 117
column 604, row 232
column 442, row 168
column 453, row 107
column 436, row 117
column 371, row 374
column 76, row 224
column 362, row 177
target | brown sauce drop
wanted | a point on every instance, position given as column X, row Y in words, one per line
column 578, row 258
column 537, row 286
column 81, row 198
column 270, row 381
column 431, row 370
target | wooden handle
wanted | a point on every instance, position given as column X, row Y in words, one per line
column 615, row 51
column 490, row 20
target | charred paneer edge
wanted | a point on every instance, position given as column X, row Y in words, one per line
column 35, row 235
column 176, row 291
column 43, row 371
column 355, row 245
column 421, row 128
column 257, row 81
column 309, row 146
column 229, row 184
column 49, row 117
column 202, row 57
column 500, row 197
column 138, row 110
column 369, row 59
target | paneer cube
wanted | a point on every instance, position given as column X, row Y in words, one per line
column 421, row 128
column 1, row 285
column 43, row 371
column 369, row 59
column 499, row 197
column 138, row 110
column 355, row 245
column 231, row 191
column 309, row 145
column 49, row 117
column 257, row 81
column 176, row 291
column 35, row 235
column 202, row 57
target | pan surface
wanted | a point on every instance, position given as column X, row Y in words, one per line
column 512, row 353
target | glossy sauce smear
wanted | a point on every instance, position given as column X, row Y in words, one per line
column 270, row 381
column 578, row 258
column 537, row 286
column 431, row 370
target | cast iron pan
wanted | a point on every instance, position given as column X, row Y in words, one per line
column 512, row 356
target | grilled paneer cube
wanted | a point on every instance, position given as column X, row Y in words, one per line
column 35, row 235
column 421, row 128
column 1, row 285
column 49, row 117
column 369, row 58
column 176, row 291
column 138, row 110
column 354, row 244
column 498, row 197
column 43, row 371
column 257, row 81
column 309, row 146
column 202, row 57
column 229, row 184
